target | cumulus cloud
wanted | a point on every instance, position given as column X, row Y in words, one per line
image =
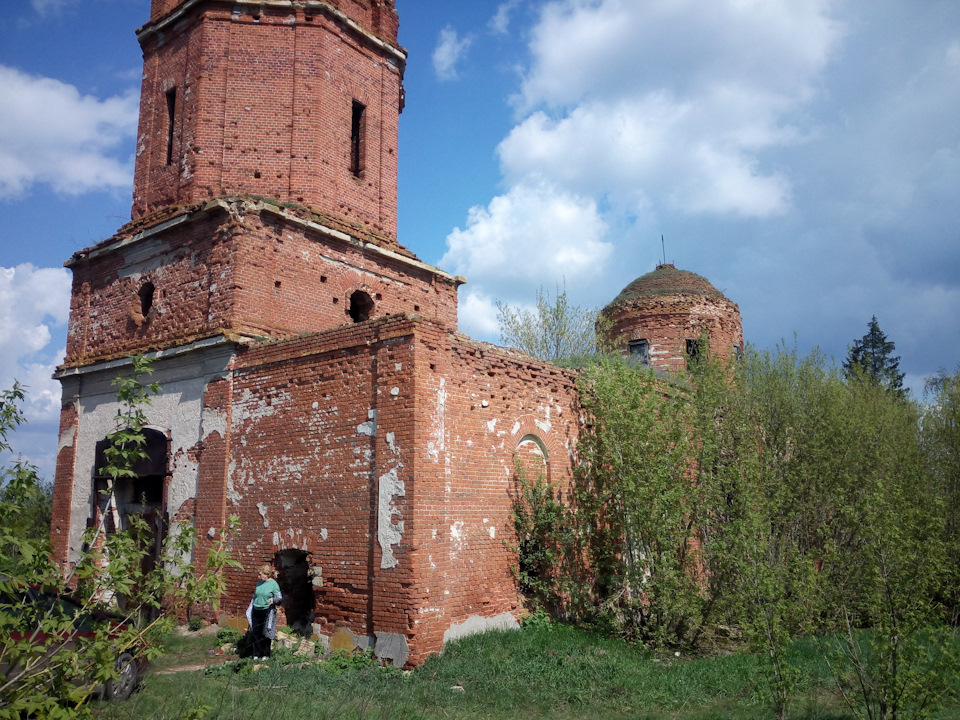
column 34, row 305
column 536, row 233
column 672, row 102
column 477, row 314
column 50, row 133
column 34, row 302
column 450, row 49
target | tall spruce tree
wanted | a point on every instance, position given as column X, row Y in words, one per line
column 872, row 356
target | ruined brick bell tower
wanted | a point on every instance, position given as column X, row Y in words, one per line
column 314, row 383
column 297, row 102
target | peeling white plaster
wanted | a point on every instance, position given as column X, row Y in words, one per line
column 395, row 391
column 516, row 428
column 389, row 533
column 315, row 405
column 493, row 532
column 439, row 423
column 213, row 421
column 263, row 513
column 544, row 426
column 430, row 560
column 457, row 536
column 398, row 367
column 323, row 533
column 66, row 439
column 492, row 425
column 391, row 442
column 478, row 624
column 276, row 539
column 370, row 427
column 434, row 533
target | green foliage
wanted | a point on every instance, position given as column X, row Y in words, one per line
column 555, row 330
column 871, row 357
column 108, row 611
column 940, row 452
column 228, row 635
column 771, row 495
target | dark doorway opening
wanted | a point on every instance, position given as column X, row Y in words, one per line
column 140, row 495
column 293, row 576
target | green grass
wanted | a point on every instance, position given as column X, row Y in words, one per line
column 555, row 672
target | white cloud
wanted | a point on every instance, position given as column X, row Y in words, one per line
column 47, row 7
column 449, row 51
column 50, row 133
column 536, row 233
column 669, row 103
column 34, row 306
column 477, row 314
column 500, row 22
column 34, row 302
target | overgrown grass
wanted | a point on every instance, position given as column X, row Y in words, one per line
column 543, row 672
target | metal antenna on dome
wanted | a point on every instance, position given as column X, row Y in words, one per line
column 664, row 248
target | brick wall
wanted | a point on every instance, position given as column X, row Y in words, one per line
column 240, row 267
column 263, row 105
column 386, row 451
column 477, row 405
column 667, row 321
column 63, row 488
column 316, row 424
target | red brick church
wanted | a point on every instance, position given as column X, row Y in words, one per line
column 313, row 379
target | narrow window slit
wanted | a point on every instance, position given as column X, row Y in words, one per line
column 171, row 113
column 357, row 138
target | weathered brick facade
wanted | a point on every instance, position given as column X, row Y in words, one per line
column 661, row 316
column 313, row 380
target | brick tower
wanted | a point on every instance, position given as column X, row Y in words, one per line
column 659, row 318
column 296, row 102
column 313, row 380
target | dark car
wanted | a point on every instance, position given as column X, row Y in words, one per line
column 51, row 621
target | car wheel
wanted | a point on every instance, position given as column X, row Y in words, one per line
column 122, row 687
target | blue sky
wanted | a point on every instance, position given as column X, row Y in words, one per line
column 803, row 156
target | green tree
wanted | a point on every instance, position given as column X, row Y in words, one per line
column 49, row 668
column 872, row 356
column 940, row 447
column 556, row 329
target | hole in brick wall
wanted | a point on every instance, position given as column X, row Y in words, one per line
column 276, row 284
column 432, row 366
column 379, row 296
column 361, row 305
column 294, row 578
column 336, row 300
column 323, row 278
column 416, row 308
column 256, row 174
column 146, row 293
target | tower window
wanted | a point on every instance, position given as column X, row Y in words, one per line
column 640, row 351
column 171, row 111
column 357, row 138
column 737, row 351
column 146, row 298
column 693, row 349
column 361, row 305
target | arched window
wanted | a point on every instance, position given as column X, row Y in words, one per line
column 531, row 454
column 361, row 306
